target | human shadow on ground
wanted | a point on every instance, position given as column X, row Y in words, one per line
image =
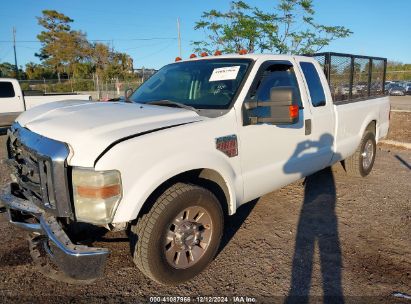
column 318, row 224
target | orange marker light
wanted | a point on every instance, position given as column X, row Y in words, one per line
column 193, row 56
column 293, row 111
column 178, row 59
column 218, row 53
column 242, row 52
column 204, row 54
column 103, row 192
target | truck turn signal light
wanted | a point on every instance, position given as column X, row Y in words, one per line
column 98, row 192
column 293, row 111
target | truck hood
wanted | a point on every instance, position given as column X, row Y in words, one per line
column 90, row 127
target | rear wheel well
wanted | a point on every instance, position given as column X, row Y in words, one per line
column 206, row 178
column 372, row 127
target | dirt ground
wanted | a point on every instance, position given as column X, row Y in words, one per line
column 330, row 235
column 400, row 127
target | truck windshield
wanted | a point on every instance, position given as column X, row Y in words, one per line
column 202, row 84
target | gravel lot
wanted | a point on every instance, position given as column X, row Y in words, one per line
column 400, row 127
column 401, row 102
column 330, row 235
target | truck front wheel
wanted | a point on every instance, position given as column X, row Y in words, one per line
column 361, row 162
column 180, row 234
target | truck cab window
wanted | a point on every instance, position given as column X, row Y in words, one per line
column 6, row 89
column 202, row 84
column 276, row 75
column 314, row 84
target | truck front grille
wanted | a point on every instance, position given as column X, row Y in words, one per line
column 40, row 169
column 33, row 174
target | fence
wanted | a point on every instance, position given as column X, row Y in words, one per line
column 353, row 77
column 99, row 90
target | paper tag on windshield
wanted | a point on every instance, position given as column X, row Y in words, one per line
column 228, row 73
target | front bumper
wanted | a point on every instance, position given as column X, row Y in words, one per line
column 78, row 262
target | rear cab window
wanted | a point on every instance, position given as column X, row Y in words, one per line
column 314, row 84
column 6, row 89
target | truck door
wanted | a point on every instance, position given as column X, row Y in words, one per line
column 320, row 105
column 275, row 155
column 11, row 102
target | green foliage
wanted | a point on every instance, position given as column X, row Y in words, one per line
column 7, row 70
column 289, row 29
column 398, row 71
column 68, row 51
column 38, row 71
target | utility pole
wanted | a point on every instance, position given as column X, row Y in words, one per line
column 15, row 56
column 179, row 36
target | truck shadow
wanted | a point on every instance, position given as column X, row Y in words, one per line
column 234, row 222
column 318, row 224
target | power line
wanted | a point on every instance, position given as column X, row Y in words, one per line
column 98, row 40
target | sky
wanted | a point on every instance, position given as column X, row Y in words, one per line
column 147, row 30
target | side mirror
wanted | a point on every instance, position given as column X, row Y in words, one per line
column 128, row 93
column 282, row 108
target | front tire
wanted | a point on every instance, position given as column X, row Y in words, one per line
column 361, row 162
column 179, row 236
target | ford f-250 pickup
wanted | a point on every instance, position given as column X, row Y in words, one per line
column 194, row 142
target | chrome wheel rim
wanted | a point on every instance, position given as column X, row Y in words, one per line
column 367, row 154
column 188, row 237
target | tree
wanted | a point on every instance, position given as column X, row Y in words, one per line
column 398, row 71
column 68, row 52
column 289, row 29
column 38, row 71
column 62, row 47
column 121, row 65
column 7, row 70
column 109, row 64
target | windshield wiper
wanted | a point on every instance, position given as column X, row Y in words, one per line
column 166, row 102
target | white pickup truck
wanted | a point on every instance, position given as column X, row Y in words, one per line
column 197, row 140
column 14, row 101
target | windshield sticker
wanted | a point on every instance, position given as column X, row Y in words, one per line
column 227, row 73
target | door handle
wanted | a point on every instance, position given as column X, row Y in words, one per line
column 307, row 126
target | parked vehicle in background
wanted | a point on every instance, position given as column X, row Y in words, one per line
column 408, row 88
column 396, row 90
column 14, row 101
column 192, row 144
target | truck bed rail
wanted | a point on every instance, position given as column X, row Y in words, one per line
column 353, row 77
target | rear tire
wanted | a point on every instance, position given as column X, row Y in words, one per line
column 180, row 234
column 361, row 162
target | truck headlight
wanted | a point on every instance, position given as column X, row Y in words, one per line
column 96, row 194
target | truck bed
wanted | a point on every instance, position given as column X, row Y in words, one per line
column 358, row 114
